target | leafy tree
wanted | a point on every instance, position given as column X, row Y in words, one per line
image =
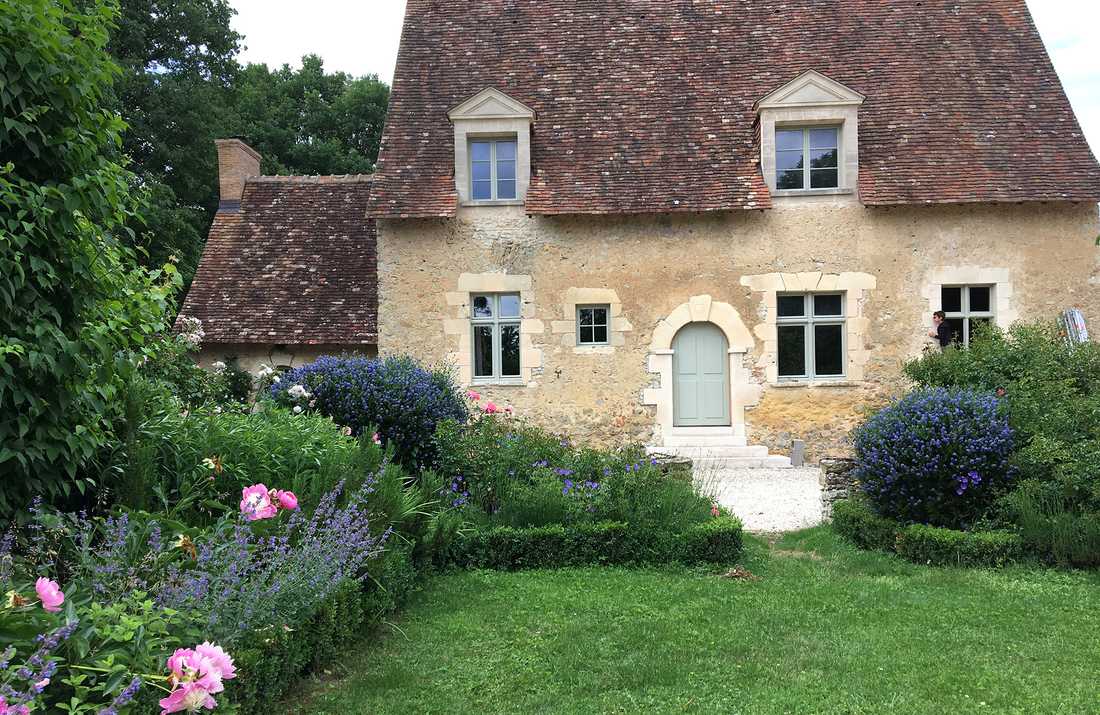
column 72, row 304
column 306, row 121
column 178, row 60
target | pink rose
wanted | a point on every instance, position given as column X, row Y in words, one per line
column 287, row 500
column 475, row 396
column 491, row 408
column 189, row 697
column 196, row 676
column 256, row 503
column 49, row 592
column 376, row 438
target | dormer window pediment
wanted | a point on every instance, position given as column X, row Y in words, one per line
column 492, row 149
column 809, row 136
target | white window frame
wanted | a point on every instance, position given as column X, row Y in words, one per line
column 807, row 170
column 808, row 321
column 493, row 141
column 966, row 315
column 497, row 323
column 606, row 308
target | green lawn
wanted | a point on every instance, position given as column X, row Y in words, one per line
column 825, row 629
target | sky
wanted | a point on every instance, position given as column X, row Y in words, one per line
column 361, row 37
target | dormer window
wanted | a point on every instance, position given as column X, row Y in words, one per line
column 809, row 137
column 492, row 169
column 806, row 158
column 492, row 149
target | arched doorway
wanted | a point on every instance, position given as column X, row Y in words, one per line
column 701, row 376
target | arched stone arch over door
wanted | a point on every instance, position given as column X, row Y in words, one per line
column 743, row 390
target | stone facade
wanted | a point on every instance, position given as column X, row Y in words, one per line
column 252, row 357
column 1042, row 258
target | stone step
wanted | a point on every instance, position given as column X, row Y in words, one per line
column 674, row 440
column 709, row 452
column 773, row 461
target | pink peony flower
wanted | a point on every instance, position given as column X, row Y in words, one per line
column 256, row 503
column 475, row 396
column 49, row 592
column 6, row 709
column 220, row 662
column 376, row 438
column 287, row 500
column 491, row 408
column 346, row 431
column 189, row 697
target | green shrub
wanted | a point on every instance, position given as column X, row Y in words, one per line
column 606, row 543
column 1050, row 524
column 856, row 521
column 946, row 547
column 74, row 305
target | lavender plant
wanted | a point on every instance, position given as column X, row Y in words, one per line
column 245, row 581
column 936, row 457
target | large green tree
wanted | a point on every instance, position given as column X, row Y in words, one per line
column 178, row 60
column 307, row 121
column 73, row 306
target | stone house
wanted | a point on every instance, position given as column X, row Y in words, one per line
column 705, row 223
column 289, row 272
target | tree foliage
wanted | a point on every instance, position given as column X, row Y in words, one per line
column 72, row 303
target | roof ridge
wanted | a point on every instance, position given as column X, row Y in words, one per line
column 312, row 179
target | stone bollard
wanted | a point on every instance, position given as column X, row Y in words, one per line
column 837, row 482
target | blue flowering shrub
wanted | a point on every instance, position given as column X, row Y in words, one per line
column 396, row 396
column 1051, row 391
column 936, row 456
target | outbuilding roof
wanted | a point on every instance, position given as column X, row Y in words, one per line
column 648, row 105
column 296, row 264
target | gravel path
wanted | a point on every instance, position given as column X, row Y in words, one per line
column 766, row 500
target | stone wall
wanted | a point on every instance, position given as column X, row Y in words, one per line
column 656, row 264
column 837, row 482
column 251, row 357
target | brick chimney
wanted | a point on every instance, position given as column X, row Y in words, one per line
column 236, row 162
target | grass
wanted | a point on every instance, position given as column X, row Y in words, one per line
column 825, row 629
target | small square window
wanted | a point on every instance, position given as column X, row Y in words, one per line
column 593, row 324
column 968, row 308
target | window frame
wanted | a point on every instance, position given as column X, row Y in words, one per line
column 606, row 325
column 809, row 321
column 492, row 141
column 497, row 323
column 807, row 169
column 965, row 314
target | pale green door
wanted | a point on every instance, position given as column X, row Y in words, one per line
column 700, row 370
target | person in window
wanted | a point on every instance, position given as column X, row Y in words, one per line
column 941, row 331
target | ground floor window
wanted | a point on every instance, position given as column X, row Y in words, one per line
column 811, row 333
column 495, row 321
column 966, row 307
column 592, row 324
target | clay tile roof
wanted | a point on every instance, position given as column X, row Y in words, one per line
column 647, row 105
column 295, row 265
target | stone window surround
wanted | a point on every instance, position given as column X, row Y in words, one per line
column 1004, row 312
column 459, row 331
column 744, row 391
column 491, row 114
column 852, row 285
column 812, row 100
column 617, row 328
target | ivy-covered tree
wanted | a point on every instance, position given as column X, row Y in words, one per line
column 73, row 305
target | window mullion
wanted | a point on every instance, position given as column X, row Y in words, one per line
column 493, row 168
column 806, row 158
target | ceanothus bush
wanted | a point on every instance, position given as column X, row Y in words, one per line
column 937, row 456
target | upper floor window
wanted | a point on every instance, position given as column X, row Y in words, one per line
column 493, row 169
column 807, row 158
column 495, row 321
column 965, row 307
column 592, row 324
column 811, row 331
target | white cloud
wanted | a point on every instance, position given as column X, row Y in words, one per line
column 361, row 37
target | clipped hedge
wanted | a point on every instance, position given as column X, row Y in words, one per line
column 854, row 520
column 606, row 543
column 271, row 667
